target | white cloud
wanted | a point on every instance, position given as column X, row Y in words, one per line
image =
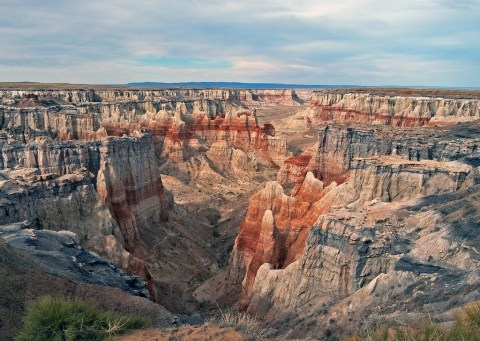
column 361, row 42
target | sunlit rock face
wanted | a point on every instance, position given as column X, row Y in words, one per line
column 388, row 109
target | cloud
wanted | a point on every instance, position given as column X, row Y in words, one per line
column 367, row 42
column 184, row 63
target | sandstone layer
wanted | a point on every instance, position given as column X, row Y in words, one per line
column 394, row 109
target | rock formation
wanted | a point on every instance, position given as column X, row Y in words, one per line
column 397, row 110
column 129, row 183
column 345, row 223
column 378, row 214
column 389, row 259
column 184, row 123
column 90, row 160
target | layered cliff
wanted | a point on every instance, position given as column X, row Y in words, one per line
column 338, row 146
column 116, row 143
column 78, row 96
column 64, row 202
column 416, row 257
column 333, row 234
column 101, row 190
column 185, row 123
column 129, row 183
column 397, row 110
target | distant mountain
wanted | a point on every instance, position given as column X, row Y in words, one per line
column 235, row 85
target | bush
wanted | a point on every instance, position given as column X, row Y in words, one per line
column 64, row 320
column 466, row 327
column 242, row 322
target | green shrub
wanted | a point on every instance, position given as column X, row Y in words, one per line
column 66, row 320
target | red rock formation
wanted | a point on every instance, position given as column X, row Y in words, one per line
column 358, row 166
column 294, row 169
column 275, row 227
column 183, row 123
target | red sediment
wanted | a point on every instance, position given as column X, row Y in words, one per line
column 301, row 160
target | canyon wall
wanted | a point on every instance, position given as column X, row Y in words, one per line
column 64, row 202
column 392, row 257
column 78, row 96
column 386, row 109
column 90, row 161
column 184, row 123
column 351, row 216
column 129, row 183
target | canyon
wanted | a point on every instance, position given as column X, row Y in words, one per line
column 311, row 209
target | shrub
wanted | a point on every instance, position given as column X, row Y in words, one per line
column 60, row 319
column 242, row 322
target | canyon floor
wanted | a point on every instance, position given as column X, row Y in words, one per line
column 319, row 212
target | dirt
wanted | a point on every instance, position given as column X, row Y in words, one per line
column 189, row 333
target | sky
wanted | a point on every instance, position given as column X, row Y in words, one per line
column 338, row 42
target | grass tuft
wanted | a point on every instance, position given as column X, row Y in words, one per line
column 60, row 319
column 247, row 324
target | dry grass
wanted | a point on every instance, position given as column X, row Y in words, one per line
column 247, row 324
column 466, row 327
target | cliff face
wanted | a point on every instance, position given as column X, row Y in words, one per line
column 50, row 158
column 338, row 147
column 63, row 185
column 67, row 200
column 194, row 133
column 395, row 110
column 389, row 258
column 275, row 228
column 124, row 173
column 129, row 183
column 78, row 96
column 333, row 234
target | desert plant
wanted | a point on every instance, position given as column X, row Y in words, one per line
column 60, row 319
column 247, row 324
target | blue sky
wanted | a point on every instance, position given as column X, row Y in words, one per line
column 364, row 42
